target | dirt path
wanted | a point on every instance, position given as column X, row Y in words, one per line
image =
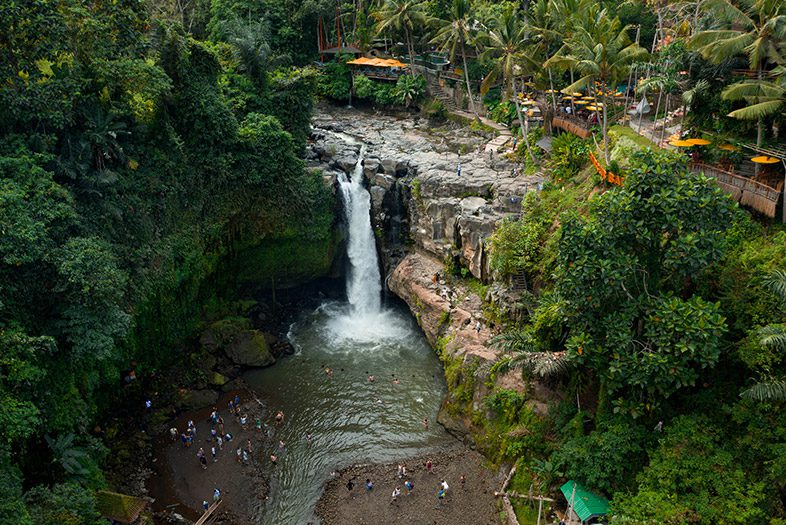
column 470, row 503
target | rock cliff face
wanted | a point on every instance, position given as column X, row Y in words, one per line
column 422, row 189
column 431, row 205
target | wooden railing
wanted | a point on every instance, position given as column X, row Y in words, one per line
column 747, row 192
column 577, row 126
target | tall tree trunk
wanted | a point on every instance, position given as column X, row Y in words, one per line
column 523, row 124
column 605, row 125
column 411, row 50
column 760, row 124
column 657, row 108
column 663, row 129
column 553, row 95
column 466, row 78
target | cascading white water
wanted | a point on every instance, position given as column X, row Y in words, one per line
column 364, row 285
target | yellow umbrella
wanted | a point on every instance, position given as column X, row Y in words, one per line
column 577, row 94
column 728, row 147
column 567, row 98
column 529, row 102
column 593, row 108
column 765, row 160
column 588, row 97
column 582, row 102
column 681, row 143
column 698, row 142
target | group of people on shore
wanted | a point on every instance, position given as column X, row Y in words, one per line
column 409, row 484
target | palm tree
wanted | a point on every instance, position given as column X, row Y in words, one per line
column 454, row 33
column 756, row 29
column 773, row 337
column 507, row 44
column 401, row 16
column 765, row 97
column 601, row 51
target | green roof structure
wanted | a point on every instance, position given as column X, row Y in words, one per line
column 584, row 503
column 119, row 507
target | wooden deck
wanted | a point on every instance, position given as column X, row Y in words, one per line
column 747, row 192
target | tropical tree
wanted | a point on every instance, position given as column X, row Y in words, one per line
column 765, row 97
column 453, row 35
column 601, row 51
column 506, row 45
column 773, row 339
column 401, row 16
column 757, row 30
column 626, row 271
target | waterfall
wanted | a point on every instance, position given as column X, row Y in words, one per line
column 364, row 286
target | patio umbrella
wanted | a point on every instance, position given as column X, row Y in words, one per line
column 698, row 142
column 577, row 94
column 728, row 147
column 593, row 108
column 764, row 159
column 582, row 102
column 681, row 143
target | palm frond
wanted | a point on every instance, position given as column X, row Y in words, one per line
column 773, row 336
column 776, row 282
column 769, row 390
column 757, row 111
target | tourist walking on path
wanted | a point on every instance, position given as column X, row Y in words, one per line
column 216, row 494
column 213, row 452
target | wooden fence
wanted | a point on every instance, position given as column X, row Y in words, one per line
column 747, row 192
column 578, row 127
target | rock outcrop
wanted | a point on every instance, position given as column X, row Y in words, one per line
column 243, row 345
column 418, row 192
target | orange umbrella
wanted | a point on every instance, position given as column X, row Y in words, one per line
column 681, row 143
column 728, row 147
column 698, row 142
column 765, row 160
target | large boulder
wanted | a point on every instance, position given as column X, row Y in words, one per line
column 249, row 348
column 243, row 345
column 196, row 399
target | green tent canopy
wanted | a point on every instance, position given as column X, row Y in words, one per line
column 586, row 504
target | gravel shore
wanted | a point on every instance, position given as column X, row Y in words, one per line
column 470, row 503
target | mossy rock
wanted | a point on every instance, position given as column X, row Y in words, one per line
column 217, row 379
column 194, row 399
column 249, row 348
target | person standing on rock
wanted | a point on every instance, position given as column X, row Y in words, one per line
column 395, row 495
column 425, row 423
column 369, row 485
column 410, row 486
column 429, row 466
column 279, row 417
column 477, row 327
column 458, row 169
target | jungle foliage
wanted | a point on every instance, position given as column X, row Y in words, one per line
column 134, row 160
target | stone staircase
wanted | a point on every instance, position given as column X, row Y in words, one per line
column 438, row 93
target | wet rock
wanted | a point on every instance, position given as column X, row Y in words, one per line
column 195, row 399
column 243, row 345
column 249, row 348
